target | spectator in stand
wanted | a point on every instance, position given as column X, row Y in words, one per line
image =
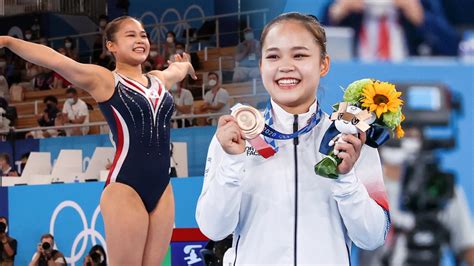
column 393, row 29
column 156, row 59
column 75, row 112
column 103, row 20
column 36, row 29
column 183, row 100
column 216, row 100
column 169, row 47
column 246, row 58
column 4, row 91
column 47, row 119
column 69, row 45
column 5, row 168
column 43, row 80
column 28, row 35
column 58, row 81
column 10, row 111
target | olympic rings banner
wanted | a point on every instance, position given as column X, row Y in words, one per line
column 71, row 213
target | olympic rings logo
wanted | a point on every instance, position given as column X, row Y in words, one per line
column 83, row 235
column 161, row 30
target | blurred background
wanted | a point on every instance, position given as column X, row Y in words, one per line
column 55, row 148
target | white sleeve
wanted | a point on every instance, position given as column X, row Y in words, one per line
column 218, row 206
column 367, row 223
column 222, row 96
column 457, row 219
column 188, row 99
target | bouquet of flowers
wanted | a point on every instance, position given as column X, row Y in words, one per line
column 369, row 106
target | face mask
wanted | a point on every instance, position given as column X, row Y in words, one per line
column 180, row 51
column 49, row 105
column 102, row 23
column 248, row 36
column 68, row 45
column 411, row 146
column 392, row 156
column 153, row 53
column 70, row 101
column 169, row 39
column 28, row 36
column 212, row 82
column 3, row 63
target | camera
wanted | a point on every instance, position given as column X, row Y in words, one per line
column 426, row 189
column 3, row 227
column 46, row 246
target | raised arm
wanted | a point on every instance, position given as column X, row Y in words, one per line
column 176, row 71
column 92, row 78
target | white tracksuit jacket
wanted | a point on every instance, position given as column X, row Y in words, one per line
column 280, row 221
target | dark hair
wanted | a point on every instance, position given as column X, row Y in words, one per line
column 179, row 43
column 113, row 26
column 50, row 98
column 172, row 33
column 71, row 90
column 213, row 73
column 69, row 39
column 96, row 248
column 5, row 218
column 310, row 22
column 5, row 157
column 48, row 235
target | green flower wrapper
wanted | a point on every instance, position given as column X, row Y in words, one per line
column 327, row 167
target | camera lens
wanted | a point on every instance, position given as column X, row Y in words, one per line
column 3, row 227
column 46, row 246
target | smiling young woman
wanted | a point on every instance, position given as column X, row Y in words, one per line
column 277, row 208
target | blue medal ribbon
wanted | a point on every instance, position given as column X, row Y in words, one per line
column 271, row 133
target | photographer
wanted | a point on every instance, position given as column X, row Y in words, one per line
column 8, row 245
column 46, row 255
column 449, row 221
column 96, row 257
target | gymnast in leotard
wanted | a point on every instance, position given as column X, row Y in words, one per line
column 137, row 203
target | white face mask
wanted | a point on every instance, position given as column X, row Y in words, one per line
column 392, row 156
column 212, row 82
column 70, row 101
column 68, row 45
column 28, row 36
column 153, row 53
column 169, row 39
column 180, row 51
column 411, row 146
column 248, row 36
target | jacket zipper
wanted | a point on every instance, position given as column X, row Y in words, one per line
column 236, row 248
column 295, row 145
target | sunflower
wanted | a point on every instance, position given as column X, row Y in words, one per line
column 381, row 97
